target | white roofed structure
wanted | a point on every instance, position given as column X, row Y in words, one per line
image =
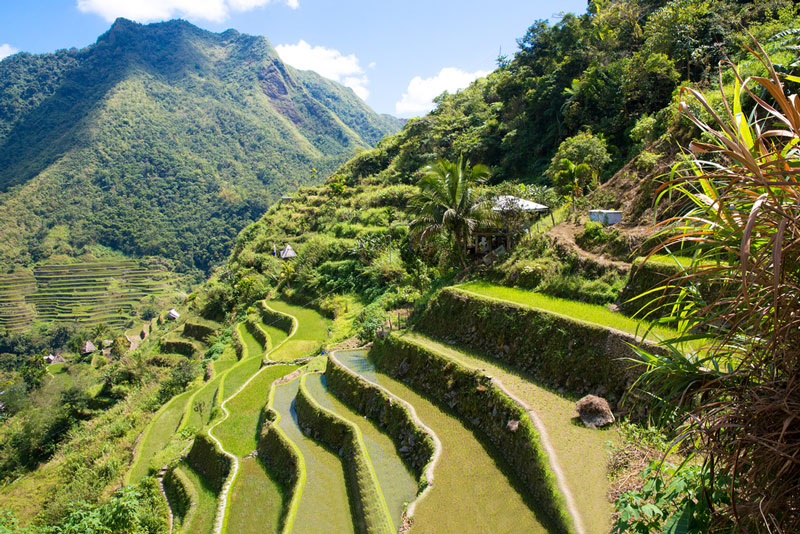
column 287, row 252
column 510, row 203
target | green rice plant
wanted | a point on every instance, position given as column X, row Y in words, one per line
column 311, row 331
column 252, row 347
column 323, row 505
column 397, row 483
column 367, row 501
column 201, row 521
column 156, row 436
column 200, row 409
column 466, row 469
column 238, row 375
column 255, row 499
column 581, row 311
column 239, row 432
column 585, row 472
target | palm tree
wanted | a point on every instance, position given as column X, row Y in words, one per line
column 573, row 177
column 448, row 203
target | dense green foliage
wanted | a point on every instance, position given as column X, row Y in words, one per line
column 449, row 204
column 603, row 72
column 594, row 89
column 132, row 510
column 165, row 140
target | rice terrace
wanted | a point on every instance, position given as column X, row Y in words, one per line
column 353, row 279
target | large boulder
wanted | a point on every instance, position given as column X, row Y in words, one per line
column 594, row 411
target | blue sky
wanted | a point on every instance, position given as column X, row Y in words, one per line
column 396, row 55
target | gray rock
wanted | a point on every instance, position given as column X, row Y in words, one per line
column 594, row 411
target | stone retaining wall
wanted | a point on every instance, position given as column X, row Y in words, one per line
column 415, row 446
column 206, row 459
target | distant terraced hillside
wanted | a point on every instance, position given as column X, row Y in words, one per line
column 84, row 293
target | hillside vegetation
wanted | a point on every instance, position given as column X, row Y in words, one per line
column 476, row 394
column 163, row 140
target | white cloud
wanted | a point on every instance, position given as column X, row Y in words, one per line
column 7, row 50
column 327, row 62
column 150, row 10
column 418, row 98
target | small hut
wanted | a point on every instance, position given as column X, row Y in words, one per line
column 514, row 216
column 287, row 252
column 173, row 314
column 88, row 348
column 58, row 358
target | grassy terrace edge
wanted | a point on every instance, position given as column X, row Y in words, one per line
column 372, row 512
column 569, row 309
column 476, row 400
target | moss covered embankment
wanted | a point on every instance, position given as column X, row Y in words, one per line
column 415, row 446
column 561, row 352
column 343, row 437
column 283, row 462
column 181, row 495
column 493, row 414
column 257, row 331
column 199, row 329
column 178, row 346
column 276, row 319
column 206, row 459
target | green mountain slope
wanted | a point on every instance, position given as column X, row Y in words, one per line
column 163, row 139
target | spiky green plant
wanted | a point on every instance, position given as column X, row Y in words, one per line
column 739, row 397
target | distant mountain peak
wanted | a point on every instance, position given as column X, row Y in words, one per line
column 166, row 138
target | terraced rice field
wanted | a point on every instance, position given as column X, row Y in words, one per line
column 471, row 491
column 581, row 451
column 255, row 500
column 158, row 434
column 474, row 490
column 15, row 313
column 312, row 331
column 200, row 406
column 582, row 311
column 84, row 293
column 201, row 520
column 324, row 507
column 239, row 432
column 398, row 484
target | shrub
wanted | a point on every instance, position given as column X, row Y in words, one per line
column 387, row 268
column 647, row 161
column 368, row 322
column 597, row 238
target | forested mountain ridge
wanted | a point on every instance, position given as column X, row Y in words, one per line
column 163, row 139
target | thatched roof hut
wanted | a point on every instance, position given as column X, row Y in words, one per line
column 288, row 252
column 88, row 348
